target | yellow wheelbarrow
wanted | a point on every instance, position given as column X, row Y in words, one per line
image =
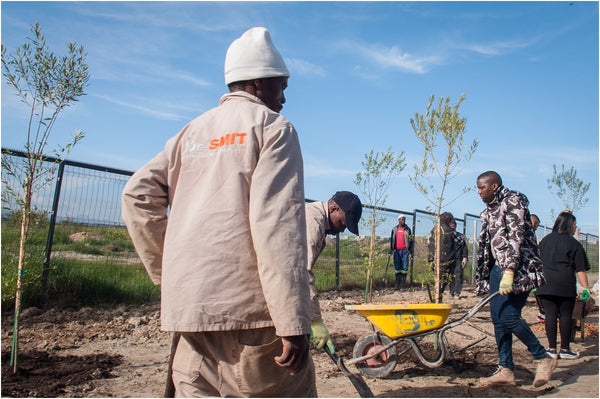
column 375, row 354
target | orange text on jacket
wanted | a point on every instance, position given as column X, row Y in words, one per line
column 228, row 139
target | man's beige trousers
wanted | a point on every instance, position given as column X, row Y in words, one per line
column 237, row 364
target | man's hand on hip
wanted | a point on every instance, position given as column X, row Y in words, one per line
column 295, row 352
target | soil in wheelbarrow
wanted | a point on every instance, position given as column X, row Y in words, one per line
column 121, row 352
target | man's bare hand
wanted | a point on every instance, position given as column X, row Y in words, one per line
column 295, row 352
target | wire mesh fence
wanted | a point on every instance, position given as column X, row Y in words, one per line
column 78, row 213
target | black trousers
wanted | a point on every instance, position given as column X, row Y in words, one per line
column 558, row 308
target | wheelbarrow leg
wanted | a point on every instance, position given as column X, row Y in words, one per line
column 445, row 342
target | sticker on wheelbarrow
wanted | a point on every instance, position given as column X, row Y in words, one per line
column 408, row 322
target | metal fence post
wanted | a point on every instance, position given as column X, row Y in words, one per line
column 337, row 261
column 412, row 258
column 46, row 269
column 473, row 257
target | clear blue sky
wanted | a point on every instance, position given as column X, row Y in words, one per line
column 360, row 71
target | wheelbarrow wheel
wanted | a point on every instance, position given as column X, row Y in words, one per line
column 381, row 365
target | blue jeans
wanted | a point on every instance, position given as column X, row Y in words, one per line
column 401, row 261
column 506, row 316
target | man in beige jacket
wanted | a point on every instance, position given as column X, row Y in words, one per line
column 342, row 210
column 218, row 219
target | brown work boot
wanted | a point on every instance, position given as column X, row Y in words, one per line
column 543, row 373
column 501, row 376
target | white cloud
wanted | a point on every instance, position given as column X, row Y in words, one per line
column 156, row 112
column 499, row 47
column 167, row 73
column 141, row 70
column 304, row 68
column 581, row 157
column 314, row 167
column 360, row 71
column 159, row 14
column 393, row 57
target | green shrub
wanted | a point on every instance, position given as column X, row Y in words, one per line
column 31, row 281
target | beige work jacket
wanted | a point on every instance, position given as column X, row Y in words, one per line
column 317, row 223
column 231, row 254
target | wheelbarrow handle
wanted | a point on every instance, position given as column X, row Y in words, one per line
column 472, row 311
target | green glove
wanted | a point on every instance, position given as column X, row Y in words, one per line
column 319, row 335
column 585, row 295
column 506, row 284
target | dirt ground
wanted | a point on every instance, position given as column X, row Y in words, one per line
column 121, row 352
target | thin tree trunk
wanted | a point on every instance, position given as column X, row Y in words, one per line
column 20, row 271
column 438, row 252
column 369, row 286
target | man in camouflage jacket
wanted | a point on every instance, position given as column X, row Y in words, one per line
column 508, row 261
column 506, row 231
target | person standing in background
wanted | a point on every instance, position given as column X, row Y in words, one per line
column 535, row 222
column 563, row 258
column 461, row 259
column 401, row 245
column 447, row 251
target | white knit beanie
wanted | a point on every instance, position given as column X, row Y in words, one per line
column 253, row 56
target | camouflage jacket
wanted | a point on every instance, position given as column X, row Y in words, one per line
column 506, row 227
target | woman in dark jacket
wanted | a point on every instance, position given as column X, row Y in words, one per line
column 447, row 251
column 563, row 257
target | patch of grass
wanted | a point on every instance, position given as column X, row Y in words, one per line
column 73, row 281
column 96, row 283
column 108, row 280
column 112, row 236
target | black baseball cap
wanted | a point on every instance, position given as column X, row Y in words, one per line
column 352, row 207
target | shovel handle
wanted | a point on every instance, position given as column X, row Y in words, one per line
column 331, row 355
column 359, row 384
column 336, row 359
